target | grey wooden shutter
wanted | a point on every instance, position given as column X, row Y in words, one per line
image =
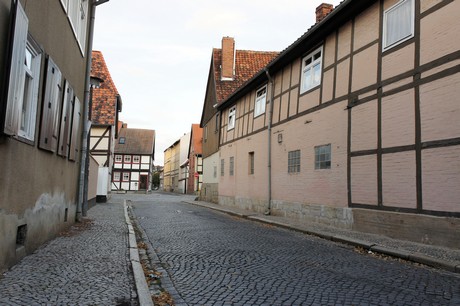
column 74, row 139
column 64, row 133
column 49, row 128
column 17, row 72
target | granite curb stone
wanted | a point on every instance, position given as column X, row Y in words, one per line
column 143, row 292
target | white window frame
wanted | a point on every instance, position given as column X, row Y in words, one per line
column 77, row 13
column 261, row 101
column 136, row 159
column 127, row 159
column 405, row 36
column 116, row 176
column 231, row 118
column 118, row 159
column 126, row 176
column 28, row 105
column 309, row 63
column 65, row 4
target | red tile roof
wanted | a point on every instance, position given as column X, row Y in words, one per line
column 105, row 97
column 247, row 64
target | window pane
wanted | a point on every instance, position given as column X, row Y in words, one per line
column 317, row 74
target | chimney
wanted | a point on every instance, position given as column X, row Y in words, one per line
column 323, row 10
column 228, row 58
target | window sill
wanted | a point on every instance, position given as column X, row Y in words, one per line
column 301, row 93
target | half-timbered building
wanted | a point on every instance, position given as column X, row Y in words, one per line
column 230, row 68
column 106, row 104
column 134, row 158
column 195, row 160
column 355, row 125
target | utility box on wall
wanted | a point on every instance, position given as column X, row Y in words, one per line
column 102, row 185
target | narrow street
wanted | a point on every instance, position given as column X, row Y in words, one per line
column 216, row 259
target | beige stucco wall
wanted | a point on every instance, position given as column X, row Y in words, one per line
column 38, row 188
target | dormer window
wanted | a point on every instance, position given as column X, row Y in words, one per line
column 122, row 140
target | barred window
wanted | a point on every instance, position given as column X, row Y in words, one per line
column 222, row 165
column 323, row 157
column 232, row 165
column 251, row 163
column 294, row 161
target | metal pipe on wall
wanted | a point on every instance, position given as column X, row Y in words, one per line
column 82, row 206
column 270, row 115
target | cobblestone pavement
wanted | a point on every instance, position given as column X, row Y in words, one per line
column 87, row 265
column 216, row 259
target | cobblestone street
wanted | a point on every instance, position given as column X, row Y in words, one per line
column 216, row 259
column 87, row 265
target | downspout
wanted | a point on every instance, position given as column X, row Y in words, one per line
column 82, row 206
column 270, row 115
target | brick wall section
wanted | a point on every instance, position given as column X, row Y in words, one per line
column 228, row 57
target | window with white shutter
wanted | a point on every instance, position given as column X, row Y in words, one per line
column 17, row 72
column 49, row 128
column 23, row 81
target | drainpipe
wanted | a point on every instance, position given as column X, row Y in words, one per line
column 82, row 206
column 270, row 116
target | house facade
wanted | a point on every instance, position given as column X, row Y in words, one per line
column 43, row 59
column 230, row 68
column 134, row 160
column 195, row 158
column 171, row 167
column 106, row 104
column 355, row 125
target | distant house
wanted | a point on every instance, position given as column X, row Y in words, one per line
column 354, row 125
column 105, row 106
column 171, row 167
column 134, row 158
column 43, row 60
column 230, row 69
column 176, row 165
column 195, row 159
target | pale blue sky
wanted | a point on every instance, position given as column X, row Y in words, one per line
column 159, row 53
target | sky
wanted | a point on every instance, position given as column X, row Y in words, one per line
column 159, row 53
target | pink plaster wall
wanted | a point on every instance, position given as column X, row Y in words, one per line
column 398, row 119
column 364, row 179
column 310, row 186
column 439, row 33
column 441, row 180
column 364, row 126
column 440, row 108
column 398, row 180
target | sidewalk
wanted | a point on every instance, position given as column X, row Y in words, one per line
column 87, row 265
column 434, row 256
